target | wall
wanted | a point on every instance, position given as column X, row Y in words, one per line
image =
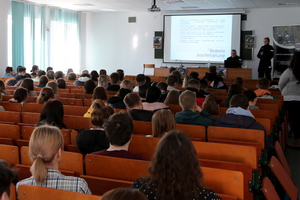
column 5, row 7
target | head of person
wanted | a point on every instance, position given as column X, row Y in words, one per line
column 266, row 40
column 186, row 81
column 133, row 100
column 210, row 105
column 162, row 86
column 41, row 73
column 172, row 81
column 187, row 100
column 162, row 122
column 94, row 75
column 102, row 72
column 127, row 85
column 28, row 84
column 50, row 74
column 216, row 81
column 6, row 177
column 52, row 114
column 49, row 68
column 172, row 97
column 172, row 69
column 174, row 154
column 69, row 71
column 58, row 74
column 251, row 96
column 2, row 86
column 140, row 79
column 294, row 65
column 203, row 84
column 21, row 70
column 233, row 53
column 194, row 83
column 61, row 83
column 143, row 90
column 239, row 81
column 234, row 89
column 100, row 113
column 72, row 76
column 46, row 146
column 34, row 69
column 103, row 81
column 194, row 75
column 45, row 95
column 10, row 70
column 115, row 78
column 21, row 94
column 99, row 93
column 27, row 75
column 89, row 86
column 153, row 94
column 85, row 71
column 148, row 80
column 263, row 83
column 212, row 69
column 177, row 74
column 123, row 92
column 239, row 100
column 118, row 128
column 53, row 85
column 124, row 194
column 121, row 74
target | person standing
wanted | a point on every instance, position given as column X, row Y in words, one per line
column 265, row 54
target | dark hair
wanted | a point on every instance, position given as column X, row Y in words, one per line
column 143, row 90
column 41, row 73
column 216, row 81
column 28, row 84
column 34, row 68
column 99, row 93
column 85, row 75
column 194, row 83
column 172, row 69
column 124, row 194
column 49, row 68
column 71, row 76
column 58, row 74
column 239, row 81
column 239, row 100
column 203, row 84
column 121, row 74
column 52, row 114
column 148, row 80
column 233, row 50
column 213, row 69
column 153, row 94
column 6, row 176
column 102, row 72
column 2, row 87
column 178, row 75
column 123, row 92
column 267, row 38
column 9, row 69
column 21, row 69
column 43, row 80
column 27, row 75
column 94, row 75
column 234, row 89
column 100, row 113
column 210, row 105
column 295, row 65
column 114, row 78
column 172, row 97
column 250, row 94
column 45, row 94
column 172, row 79
column 119, row 128
column 175, row 153
column 20, row 94
column 140, row 79
column 263, row 83
column 162, row 85
column 194, row 74
column 50, row 74
column 131, row 100
column 89, row 87
column 61, row 83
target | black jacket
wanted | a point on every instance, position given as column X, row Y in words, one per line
column 265, row 59
column 141, row 115
column 116, row 102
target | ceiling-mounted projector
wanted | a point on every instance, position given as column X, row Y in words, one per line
column 154, row 7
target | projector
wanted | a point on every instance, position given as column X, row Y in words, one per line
column 154, row 8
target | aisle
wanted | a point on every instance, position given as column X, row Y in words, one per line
column 293, row 158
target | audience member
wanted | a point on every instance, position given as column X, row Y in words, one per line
column 194, row 86
column 43, row 81
column 152, row 97
column 50, row 74
column 118, row 129
column 94, row 139
column 20, row 96
column 174, row 154
column 18, row 77
column 126, row 84
column 262, row 91
column 218, row 83
column 240, row 81
column 186, row 81
column 85, row 71
column 124, row 194
column 252, row 99
column 6, row 177
column 99, row 93
column 140, row 79
column 162, row 122
column 192, row 113
column 89, row 87
column 121, row 74
column 117, row 101
column 52, row 114
column 34, row 70
column 172, row 82
column 54, row 87
column 115, row 82
column 39, row 74
column 61, row 83
column 135, row 106
column 274, row 85
column 46, row 146
column 209, row 76
column 94, row 75
column 72, row 76
column 70, row 70
column 172, row 97
column 142, row 91
column 9, row 73
column 49, row 69
column 82, row 79
column 103, row 81
column 178, row 75
column 2, row 88
column 148, row 81
column 27, row 83
column 210, row 105
column 163, row 89
column 45, row 95
column 233, row 90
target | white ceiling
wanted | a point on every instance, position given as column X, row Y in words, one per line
column 164, row 5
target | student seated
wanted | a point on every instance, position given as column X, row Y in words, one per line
column 172, row 82
column 140, row 79
column 45, row 95
column 94, row 139
column 194, row 86
column 172, row 97
column 9, row 73
column 61, row 83
column 46, row 146
column 54, row 87
column 233, row 90
column 20, row 96
column 262, row 91
column 162, row 122
column 117, row 101
column 135, row 106
column 209, row 76
column 89, row 87
column 152, row 97
column 118, row 129
column 252, row 99
column 42, row 81
column 114, row 82
column 175, row 154
column 218, row 83
column 20, row 76
column 192, row 113
column 6, row 177
column 34, row 70
column 82, row 79
column 210, row 105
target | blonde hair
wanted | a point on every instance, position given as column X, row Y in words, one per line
column 162, row 122
column 186, row 81
column 53, row 85
column 45, row 94
column 187, row 100
column 44, row 143
column 103, row 81
column 126, row 84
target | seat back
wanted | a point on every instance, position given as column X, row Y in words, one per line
column 281, row 158
column 9, row 153
column 269, row 190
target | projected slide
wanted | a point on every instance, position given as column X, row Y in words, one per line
column 200, row 38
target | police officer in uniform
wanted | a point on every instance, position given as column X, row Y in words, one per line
column 265, row 54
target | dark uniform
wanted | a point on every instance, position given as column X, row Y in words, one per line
column 237, row 59
column 264, row 67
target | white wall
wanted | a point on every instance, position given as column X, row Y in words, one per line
column 5, row 7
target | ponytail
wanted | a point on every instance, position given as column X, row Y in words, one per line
column 38, row 170
column 100, row 113
column 45, row 95
column 40, row 99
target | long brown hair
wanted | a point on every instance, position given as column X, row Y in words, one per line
column 174, row 168
column 210, row 105
column 99, row 93
column 100, row 113
column 45, row 94
column 172, row 97
column 162, row 122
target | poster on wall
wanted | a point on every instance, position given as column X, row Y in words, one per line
column 249, row 41
column 157, row 42
column 286, row 40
